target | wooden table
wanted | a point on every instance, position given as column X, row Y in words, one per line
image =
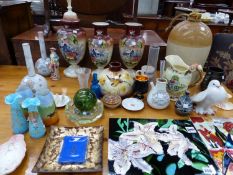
column 10, row 79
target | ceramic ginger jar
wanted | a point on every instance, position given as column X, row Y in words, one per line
column 158, row 98
column 191, row 40
column 115, row 80
column 100, row 46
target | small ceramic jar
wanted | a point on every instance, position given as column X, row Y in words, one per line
column 111, row 101
column 184, row 105
column 158, row 98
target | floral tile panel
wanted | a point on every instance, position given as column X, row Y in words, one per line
column 157, row 147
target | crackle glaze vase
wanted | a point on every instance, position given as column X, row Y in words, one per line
column 132, row 45
column 115, row 80
column 100, row 46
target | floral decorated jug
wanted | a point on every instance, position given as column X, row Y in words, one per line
column 100, row 46
column 19, row 123
column 115, row 80
column 158, row 98
column 132, row 46
column 179, row 75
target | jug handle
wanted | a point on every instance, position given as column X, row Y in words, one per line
column 197, row 67
column 174, row 20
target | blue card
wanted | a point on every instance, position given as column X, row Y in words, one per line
column 73, row 150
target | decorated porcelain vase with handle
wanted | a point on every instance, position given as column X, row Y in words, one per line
column 179, row 75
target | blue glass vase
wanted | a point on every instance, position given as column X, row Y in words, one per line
column 95, row 87
column 36, row 126
column 19, row 123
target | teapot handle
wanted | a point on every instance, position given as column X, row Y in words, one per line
column 197, row 67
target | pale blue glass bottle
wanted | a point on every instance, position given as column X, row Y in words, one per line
column 19, row 123
column 36, row 126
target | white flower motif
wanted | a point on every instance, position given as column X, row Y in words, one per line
column 125, row 153
column 144, row 134
column 178, row 143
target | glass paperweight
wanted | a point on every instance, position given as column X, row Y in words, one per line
column 80, row 117
column 74, row 150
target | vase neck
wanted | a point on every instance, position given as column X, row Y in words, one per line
column 161, row 84
column 28, row 59
column 100, row 28
column 115, row 66
column 133, row 29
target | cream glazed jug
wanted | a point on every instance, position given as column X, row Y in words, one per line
column 158, row 98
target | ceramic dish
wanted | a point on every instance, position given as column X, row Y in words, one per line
column 78, row 117
column 111, row 101
column 132, row 104
column 61, row 100
column 48, row 159
column 12, row 153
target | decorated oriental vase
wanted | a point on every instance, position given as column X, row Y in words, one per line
column 100, row 46
column 115, row 80
column 132, row 45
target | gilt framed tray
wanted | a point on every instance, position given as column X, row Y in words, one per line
column 48, row 159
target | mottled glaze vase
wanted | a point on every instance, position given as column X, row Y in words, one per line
column 36, row 126
column 184, row 104
column 158, row 98
column 19, row 123
column 115, row 80
column 100, row 46
column 132, row 45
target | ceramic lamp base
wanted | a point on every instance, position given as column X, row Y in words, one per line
column 71, row 71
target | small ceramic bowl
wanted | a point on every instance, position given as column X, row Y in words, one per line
column 60, row 100
column 111, row 101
